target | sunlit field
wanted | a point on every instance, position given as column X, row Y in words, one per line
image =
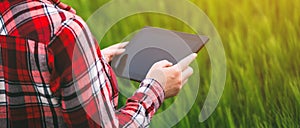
column 262, row 46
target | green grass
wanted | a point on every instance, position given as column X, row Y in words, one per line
column 261, row 40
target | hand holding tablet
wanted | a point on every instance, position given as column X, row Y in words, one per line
column 151, row 45
column 172, row 77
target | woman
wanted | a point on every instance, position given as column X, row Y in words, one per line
column 53, row 74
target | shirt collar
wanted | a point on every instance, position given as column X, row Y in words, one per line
column 63, row 6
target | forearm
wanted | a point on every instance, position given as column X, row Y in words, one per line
column 140, row 108
column 98, row 111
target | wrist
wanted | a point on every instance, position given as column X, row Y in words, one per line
column 155, row 86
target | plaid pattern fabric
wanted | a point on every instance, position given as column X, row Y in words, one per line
column 52, row 73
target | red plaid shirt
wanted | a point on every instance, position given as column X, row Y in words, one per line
column 52, row 73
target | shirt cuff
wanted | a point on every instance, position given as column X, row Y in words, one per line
column 153, row 91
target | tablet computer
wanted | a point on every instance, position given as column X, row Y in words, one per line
column 151, row 45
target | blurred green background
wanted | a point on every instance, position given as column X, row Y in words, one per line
column 261, row 41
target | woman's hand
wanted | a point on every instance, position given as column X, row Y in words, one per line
column 172, row 77
column 110, row 52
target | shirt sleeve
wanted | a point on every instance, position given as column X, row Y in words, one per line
column 81, row 82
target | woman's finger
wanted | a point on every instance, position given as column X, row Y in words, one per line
column 185, row 62
column 119, row 45
column 123, row 44
column 187, row 73
column 118, row 51
column 114, row 52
